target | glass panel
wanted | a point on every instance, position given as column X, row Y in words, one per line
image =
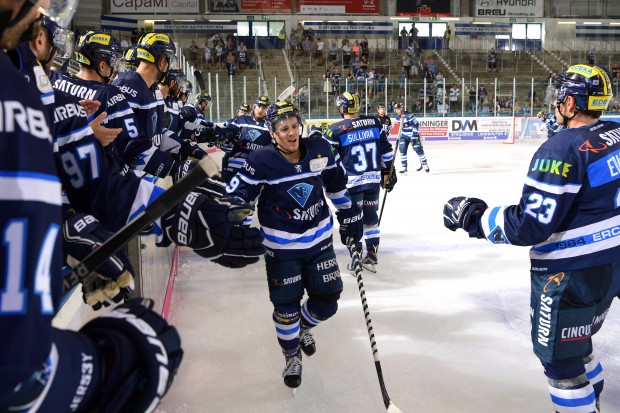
column 518, row 31
column 423, row 29
column 275, row 27
column 259, row 29
column 534, row 31
column 438, row 29
column 243, row 28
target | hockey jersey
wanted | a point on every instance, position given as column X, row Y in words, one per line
column 295, row 218
column 253, row 135
column 410, row 126
column 364, row 150
column 386, row 123
column 570, row 205
column 553, row 126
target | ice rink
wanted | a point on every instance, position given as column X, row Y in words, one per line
column 450, row 313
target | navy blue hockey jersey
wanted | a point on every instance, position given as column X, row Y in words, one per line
column 253, row 135
column 295, row 218
column 570, row 205
column 364, row 149
column 410, row 125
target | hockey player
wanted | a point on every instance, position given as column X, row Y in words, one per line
column 569, row 212
column 409, row 135
column 42, row 368
column 156, row 55
column 244, row 109
column 286, row 182
column 203, row 102
column 386, row 122
column 131, row 58
column 253, row 134
column 367, row 158
column 550, row 121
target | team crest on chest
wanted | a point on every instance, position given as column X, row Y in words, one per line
column 300, row 193
column 254, row 134
column 298, row 169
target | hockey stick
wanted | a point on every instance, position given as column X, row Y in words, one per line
column 286, row 93
column 385, row 192
column 206, row 168
column 200, row 80
column 357, row 265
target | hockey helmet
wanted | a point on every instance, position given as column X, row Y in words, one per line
column 262, row 101
column 279, row 111
column 175, row 74
column 245, row 108
column 203, row 97
column 62, row 39
column 350, row 102
column 93, row 47
column 153, row 46
column 399, row 106
column 590, row 86
column 131, row 58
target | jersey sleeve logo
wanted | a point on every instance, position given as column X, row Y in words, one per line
column 300, row 193
column 318, row 164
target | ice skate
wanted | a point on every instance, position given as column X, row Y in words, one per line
column 426, row 168
column 404, row 171
column 292, row 371
column 420, row 168
column 370, row 262
column 306, row 341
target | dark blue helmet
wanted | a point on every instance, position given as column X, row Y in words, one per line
column 349, row 101
column 590, row 86
column 279, row 111
column 96, row 46
column 131, row 58
column 153, row 46
column 62, row 39
column 262, row 101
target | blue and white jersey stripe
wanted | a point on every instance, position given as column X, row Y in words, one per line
column 30, row 186
column 275, row 239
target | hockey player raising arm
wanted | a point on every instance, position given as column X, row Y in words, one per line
column 569, row 212
column 126, row 359
column 286, row 181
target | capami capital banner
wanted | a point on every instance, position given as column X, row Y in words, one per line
column 509, row 8
column 154, row 6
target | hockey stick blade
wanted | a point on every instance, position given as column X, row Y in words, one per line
column 200, row 80
column 206, row 168
column 286, row 93
column 356, row 263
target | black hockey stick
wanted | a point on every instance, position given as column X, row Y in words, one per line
column 400, row 132
column 206, row 168
column 200, row 80
column 357, row 266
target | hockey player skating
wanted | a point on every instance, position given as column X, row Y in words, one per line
column 409, row 135
column 42, row 368
column 551, row 122
column 287, row 182
column 367, row 158
column 570, row 212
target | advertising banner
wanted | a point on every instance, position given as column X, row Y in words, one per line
column 338, row 7
column 509, row 8
column 266, row 6
column 482, row 29
column 350, row 28
column 195, row 27
column 463, row 129
column 422, row 7
column 224, row 6
column 154, row 6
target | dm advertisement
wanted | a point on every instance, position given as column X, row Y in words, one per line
column 509, row 8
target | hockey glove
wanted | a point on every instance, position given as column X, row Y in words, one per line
column 315, row 131
column 388, row 180
column 139, row 353
column 113, row 281
column 207, row 226
column 462, row 212
column 191, row 149
column 351, row 224
column 214, row 186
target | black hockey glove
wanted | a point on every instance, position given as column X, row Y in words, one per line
column 351, row 224
column 214, row 186
column 388, row 180
column 315, row 131
column 462, row 212
column 113, row 281
column 188, row 114
column 208, row 226
column 190, row 149
column 139, row 353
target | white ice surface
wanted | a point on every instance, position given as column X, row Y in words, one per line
column 450, row 313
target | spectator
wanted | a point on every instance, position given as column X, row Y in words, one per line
column 364, row 47
column 125, row 43
column 592, row 56
column 135, row 34
column 428, row 104
column 407, row 63
column 355, row 49
column 193, row 53
column 372, row 82
column 336, row 77
column 482, row 93
column 303, row 98
column 403, row 38
column 355, row 65
column 415, row 66
column 361, row 81
column 417, row 107
column 333, row 51
column 472, row 99
column 351, row 81
column 327, row 81
column 252, row 61
column 439, row 80
column 381, row 83
column 282, row 38
column 307, row 47
column 531, row 96
column 429, row 75
column 242, row 55
column 402, row 80
column 346, row 55
column 230, row 63
column 492, row 60
column 320, row 46
column 364, row 63
column 345, row 40
column 615, row 70
column 208, row 55
column 413, row 34
column 455, row 93
column 447, row 35
column 293, row 43
column 219, row 54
